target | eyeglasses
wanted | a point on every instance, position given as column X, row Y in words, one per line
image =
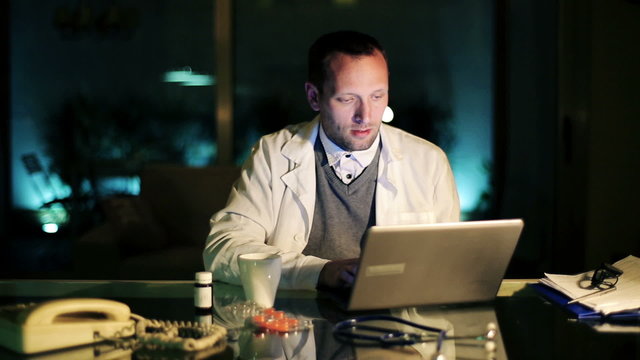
column 604, row 279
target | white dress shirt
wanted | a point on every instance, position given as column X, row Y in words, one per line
column 348, row 165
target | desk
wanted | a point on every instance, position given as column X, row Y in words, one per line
column 529, row 327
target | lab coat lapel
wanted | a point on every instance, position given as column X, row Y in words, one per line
column 387, row 183
column 301, row 177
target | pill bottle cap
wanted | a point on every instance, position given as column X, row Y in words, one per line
column 204, row 277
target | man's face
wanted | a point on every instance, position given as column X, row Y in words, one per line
column 353, row 101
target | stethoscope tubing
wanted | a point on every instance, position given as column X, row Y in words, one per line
column 344, row 331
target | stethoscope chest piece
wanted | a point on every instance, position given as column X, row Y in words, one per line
column 367, row 331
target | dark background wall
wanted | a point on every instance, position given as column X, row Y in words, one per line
column 5, row 203
column 528, row 144
column 571, row 145
column 614, row 125
column 4, row 121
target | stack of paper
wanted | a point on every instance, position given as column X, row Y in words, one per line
column 625, row 296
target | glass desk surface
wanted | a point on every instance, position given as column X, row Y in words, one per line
column 528, row 326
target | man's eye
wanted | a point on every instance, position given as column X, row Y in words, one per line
column 378, row 96
column 345, row 100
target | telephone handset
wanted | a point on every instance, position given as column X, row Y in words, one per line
column 61, row 323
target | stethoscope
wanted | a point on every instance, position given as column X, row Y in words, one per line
column 356, row 331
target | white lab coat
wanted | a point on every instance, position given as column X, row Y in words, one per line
column 270, row 208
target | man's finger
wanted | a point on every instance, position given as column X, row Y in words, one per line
column 348, row 277
column 352, row 269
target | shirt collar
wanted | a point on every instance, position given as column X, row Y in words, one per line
column 335, row 152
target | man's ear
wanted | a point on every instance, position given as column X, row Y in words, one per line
column 313, row 96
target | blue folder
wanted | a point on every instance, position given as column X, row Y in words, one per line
column 580, row 311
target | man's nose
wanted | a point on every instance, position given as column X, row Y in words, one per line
column 363, row 112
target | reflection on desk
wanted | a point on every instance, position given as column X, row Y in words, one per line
column 231, row 311
column 529, row 328
column 97, row 351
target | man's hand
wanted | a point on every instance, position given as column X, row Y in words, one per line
column 338, row 274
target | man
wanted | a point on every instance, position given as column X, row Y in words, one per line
column 310, row 191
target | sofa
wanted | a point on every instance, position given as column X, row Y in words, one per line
column 159, row 234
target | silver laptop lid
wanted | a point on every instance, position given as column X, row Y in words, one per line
column 443, row 263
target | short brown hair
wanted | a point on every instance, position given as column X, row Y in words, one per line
column 348, row 42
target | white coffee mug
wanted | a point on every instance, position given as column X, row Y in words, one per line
column 260, row 276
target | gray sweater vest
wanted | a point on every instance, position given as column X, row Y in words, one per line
column 343, row 213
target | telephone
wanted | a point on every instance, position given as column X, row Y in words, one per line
column 62, row 323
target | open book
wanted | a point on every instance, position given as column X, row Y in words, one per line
column 625, row 297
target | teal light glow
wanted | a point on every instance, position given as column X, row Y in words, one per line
column 187, row 77
column 471, row 184
column 472, row 152
column 200, row 153
column 199, row 80
column 50, row 228
column 468, row 161
column 129, row 185
column 33, row 190
column 52, row 217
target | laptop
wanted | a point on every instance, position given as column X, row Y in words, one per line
column 444, row 263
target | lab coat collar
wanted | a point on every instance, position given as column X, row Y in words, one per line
column 299, row 150
column 296, row 149
column 390, row 154
column 391, row 151
column 300, row 147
